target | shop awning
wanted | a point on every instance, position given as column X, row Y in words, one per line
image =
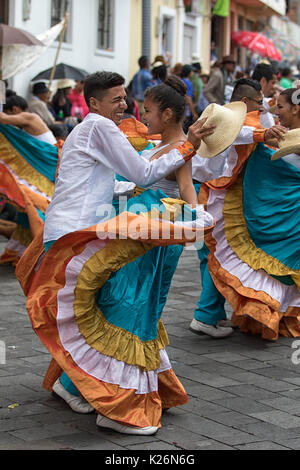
column 265, row 7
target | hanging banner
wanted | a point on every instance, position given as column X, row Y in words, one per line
column 222, row 8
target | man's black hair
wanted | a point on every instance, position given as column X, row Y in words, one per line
column 286, row 72
column 15, row 100
column 245, row 88
column 263, row 71
column 143, row 62
column 97, row 84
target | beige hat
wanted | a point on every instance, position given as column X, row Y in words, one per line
column 158, row 63
column 195, row 57
column 65, row 83
column 290, row 144
column 229, row 120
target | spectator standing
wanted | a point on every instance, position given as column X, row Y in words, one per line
column 39, row 103
column 197, row 81
column 141, row 81
column 220, row 84
column 79, row 107
column 190, row 114
column 60, row 101
column 159, row 72
column 286, row 80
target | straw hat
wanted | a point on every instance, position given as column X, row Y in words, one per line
column 65, row 83
column 228, row 119
column 158, row 63
column 290, row 144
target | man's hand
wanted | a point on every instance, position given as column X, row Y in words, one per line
column 274, row 134
column 197, row 131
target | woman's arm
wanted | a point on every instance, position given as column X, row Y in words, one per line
column 185, row 183
column 21, row 119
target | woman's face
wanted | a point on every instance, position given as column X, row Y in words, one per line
column 284, row 111
column 152, row 117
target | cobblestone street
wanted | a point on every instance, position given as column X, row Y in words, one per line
column 244, row 392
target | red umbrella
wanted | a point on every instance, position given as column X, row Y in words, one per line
column 256, row 42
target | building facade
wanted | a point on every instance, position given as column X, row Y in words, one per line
column 97, row 38
column 113, row 34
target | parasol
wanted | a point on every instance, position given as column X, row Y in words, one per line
column 256, row 42
column 10, row 36
column 62, row 71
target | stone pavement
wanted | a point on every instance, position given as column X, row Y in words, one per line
column 244, row 392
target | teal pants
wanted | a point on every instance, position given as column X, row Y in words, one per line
column 210, row 307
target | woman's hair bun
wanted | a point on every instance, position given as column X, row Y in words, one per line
column 177, row 84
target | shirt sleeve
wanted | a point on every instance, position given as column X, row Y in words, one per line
column 249, row 135
column 113, row 150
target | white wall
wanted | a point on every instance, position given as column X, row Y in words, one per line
column 82, row 52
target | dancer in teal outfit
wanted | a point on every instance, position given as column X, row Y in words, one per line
column 210, row 312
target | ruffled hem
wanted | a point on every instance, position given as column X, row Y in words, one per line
column 123, row 405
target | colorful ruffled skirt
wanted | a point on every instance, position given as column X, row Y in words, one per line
column 27, row 175
column 95, row 300
column 254, row 255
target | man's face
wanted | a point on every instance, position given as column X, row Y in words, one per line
column 112, row 105
column 255, row 103
column 229, row 67
column 268, row 87
column 44, row 96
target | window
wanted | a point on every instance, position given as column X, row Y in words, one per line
column 4, row 11
column 58, row 10
column 105, row 40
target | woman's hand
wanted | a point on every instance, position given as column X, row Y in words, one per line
column 198, row 131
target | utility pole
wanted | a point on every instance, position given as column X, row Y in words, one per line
column 146, row 29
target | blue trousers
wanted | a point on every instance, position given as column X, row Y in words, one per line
column 210, row 307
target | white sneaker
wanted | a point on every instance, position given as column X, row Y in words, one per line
column 107, row 423
column 226, row 324
column 215, row 331
column 78, row 404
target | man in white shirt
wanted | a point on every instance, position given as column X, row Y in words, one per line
column 265, row 75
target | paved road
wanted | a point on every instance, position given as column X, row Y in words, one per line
column 244, row 391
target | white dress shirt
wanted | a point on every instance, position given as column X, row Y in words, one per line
column 92, row 154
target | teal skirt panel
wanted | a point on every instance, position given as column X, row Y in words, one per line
column 271, row 201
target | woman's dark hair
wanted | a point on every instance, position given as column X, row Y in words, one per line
column 59, row 99
column 97, row 84
column 292, row 95
column 9, row 93
column 130, row 102
column 15, row 100
column 170, row 94
column 160, row 72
